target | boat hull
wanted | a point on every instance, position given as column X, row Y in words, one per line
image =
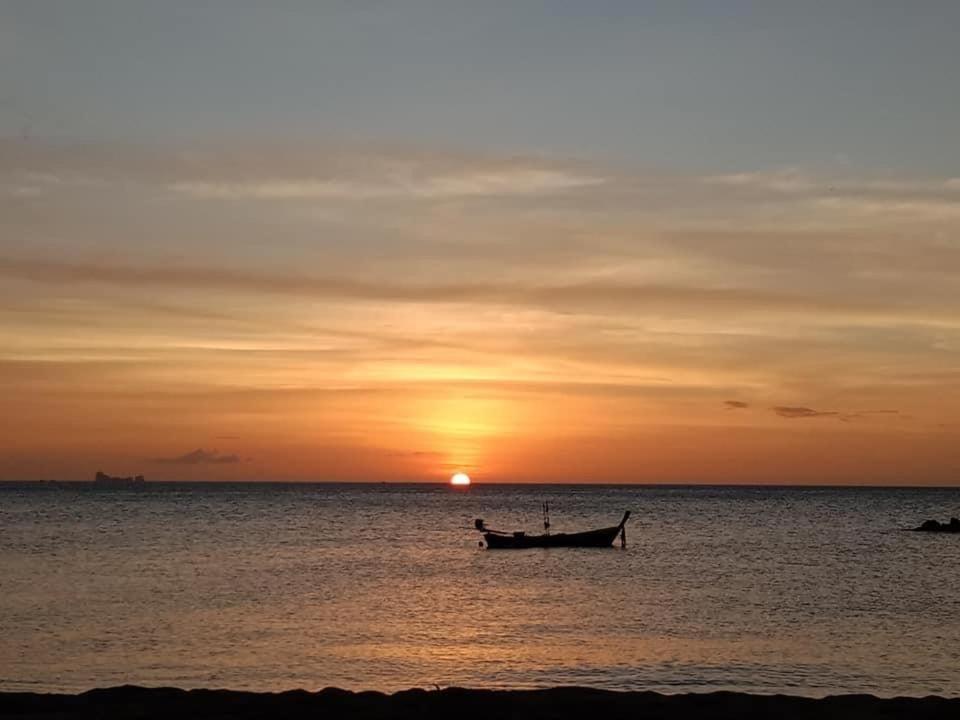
column 519, row 541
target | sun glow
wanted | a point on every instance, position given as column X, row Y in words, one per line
column 460, row 479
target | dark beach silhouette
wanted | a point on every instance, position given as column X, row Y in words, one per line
column 555, row 703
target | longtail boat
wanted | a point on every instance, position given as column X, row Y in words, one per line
column 604, row 537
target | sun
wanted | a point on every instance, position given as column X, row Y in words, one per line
column 460, row 479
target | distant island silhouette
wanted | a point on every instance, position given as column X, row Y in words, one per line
column 934, row 526
column 101, row 478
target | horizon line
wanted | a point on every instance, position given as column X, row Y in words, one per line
column 445, row 483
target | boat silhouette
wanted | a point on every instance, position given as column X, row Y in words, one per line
column 604, row 537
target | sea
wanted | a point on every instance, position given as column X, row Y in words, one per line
column 809, row 591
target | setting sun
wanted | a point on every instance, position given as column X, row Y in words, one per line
column 460, row 479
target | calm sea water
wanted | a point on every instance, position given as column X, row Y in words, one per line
column 268, row 587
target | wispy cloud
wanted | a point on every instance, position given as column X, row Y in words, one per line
column 289, row 172
column 787, row 180
column 859, row 197
column 791, row 411
column 797, row 181
column 794, row 412
column 735, row 404
column 519, row 181
column 414, row 453
column 198, row 457
column 603, row 294
column 916, row 208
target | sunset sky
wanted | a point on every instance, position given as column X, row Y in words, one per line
column 534, row 241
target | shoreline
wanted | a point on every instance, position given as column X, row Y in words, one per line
column 130, row 701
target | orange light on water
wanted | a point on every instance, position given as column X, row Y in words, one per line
column 460, row 479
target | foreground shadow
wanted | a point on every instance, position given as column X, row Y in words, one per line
column 556, row 703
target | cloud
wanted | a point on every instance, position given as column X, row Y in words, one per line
column 735, row 404
column 921, row 209
column 290, row 171
column 198, row 457
column 519, row 181
column 794, row 181
column 341, row 172
column 792, row 412
column 414, row 453
column 785, row 180
column 867, row 413
column 788, row 411
column 603, row 294
column 863, row 198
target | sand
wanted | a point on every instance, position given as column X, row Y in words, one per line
column 452, row 703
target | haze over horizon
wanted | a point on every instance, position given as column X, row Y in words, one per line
column 623, row 242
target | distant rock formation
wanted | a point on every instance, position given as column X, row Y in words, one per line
column 933, row 526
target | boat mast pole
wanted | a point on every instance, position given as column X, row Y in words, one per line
column 546, row 518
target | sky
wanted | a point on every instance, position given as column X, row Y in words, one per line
column 654, row 242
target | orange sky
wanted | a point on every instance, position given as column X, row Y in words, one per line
column 329, row 312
